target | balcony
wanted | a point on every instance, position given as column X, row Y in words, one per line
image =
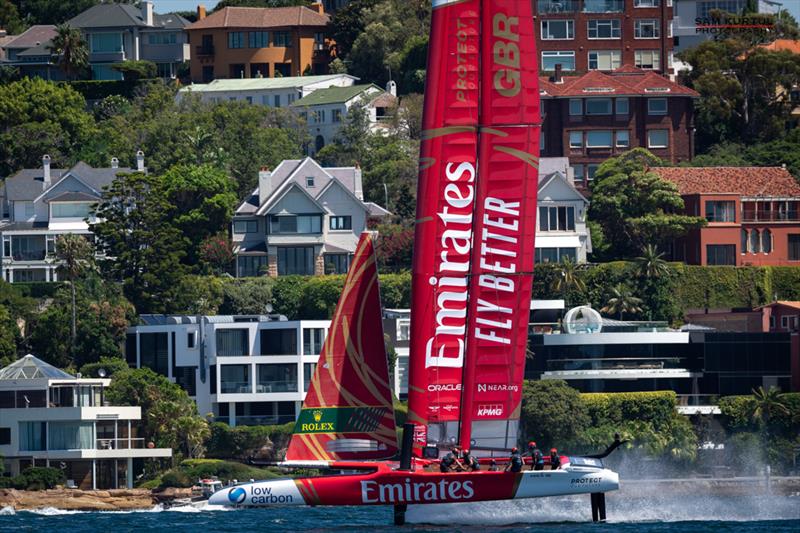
column 204, row 50
column 603, row 6
column 637, row 363
column 235, row 387
column 120, row 444
column 770, row 216
column 276, row 386
column 545, row 7
column 29, row 255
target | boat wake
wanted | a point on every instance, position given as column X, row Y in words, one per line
column 52, row 511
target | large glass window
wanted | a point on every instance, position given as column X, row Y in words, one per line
column 647, row 59
column 341, row 222
column 297, row 260
column 564, row 58
column 657, row 138
column 312, row 340
column 62, row 210
column 605, row 59
column 598, row 106
column 232, row 342
column 236, row 39
column 604, row 29
column 71, row 436
column 234, row 379
column 622, row 106
column 794, row 247
column 557, row 218
column 721, row 254
column 293, row 224
column 245, row 226
column 755, row 241
column 277, row 378
column 656, row 106
column 766, row 241
column 337, row 263
column 308, row 374
column 646, row 29
column 279, row 342
column 646, row 3
column 163, row 38
column 259, row 39
column 186, row 377
column 554, row 255
column 623, row 139
column 558, row 29
column 599, row 139
column 721, row 211
column 576, row 139
column 575, row 107
column 283, row 39
column 32, row 436
column 154, row 352
column 251, row 265
column 106, row 42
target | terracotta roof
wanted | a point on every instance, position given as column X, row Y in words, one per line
column 261, row 17
column 33, row 36
column 780, row 45
column 745, row 181
column 626, row 80
column 787, row 303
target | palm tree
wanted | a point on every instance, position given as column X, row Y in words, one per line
column 651, row 264
column 76, row 257
column 567, row 278
column 622, row 301
column 767, row 404
column 71, row 49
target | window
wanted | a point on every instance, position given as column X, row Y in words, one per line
column 669, row 34
column 403, row 329
column 310, row 181
column 154, row 352
column 599, row 139
column 598, row 106
column 236, row 39
column 76, row 210
column 162, row 38
column 623, row 139
column 656, row 106
column 277, row 378
column 657, row 138
column 259, row 39
column 336, row 115
column 308, row 374
column 558, row 29
column 232, row 342
column 789, row 322
column 591, row 169
column 755, row 241
column 5, row 436
column 289, row 224
column 720, row 211
column 278, row 342
column 566, row 59
column 554, row 255
column 556, row 218
column 234, row 379
column 32, row 436
column 249, row 99
column 337, row 263
column 772, row 322
column 276, row 101
column 297, row 260
column 28, row 206
column 794, row 247
column 721, row 254
column 577, row 174
column 743, row 242
column 605, row 60
column 341, row 222
column 646, row 29
column 646, row 3
column 604, row 29
column 245, row 226
column 106, row 42
column 282, row 38
column 191, row 339
column 312, row 340
column 576, row 139
column 186, row 377
column 71, row 436
column 575, row 106
column 250, row 266
column 319, row 40
column 766, row 241
column 647, row 59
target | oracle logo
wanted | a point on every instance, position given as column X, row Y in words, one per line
column 444, row 387
column 490, row 409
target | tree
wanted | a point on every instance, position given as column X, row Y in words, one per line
column 545, row 405
column 767, row 404
column 76, row 256
column 10, row 337
column 651, row 263
column 136, row 70
column 135, row 230
column 10, row 19
column 348, row 23
column 568, row 278
column 49, row 12
column 621, row 302
column 108, row 365
column 247, row 296
column 216, row 252
column 71, row 49
column 635, row 207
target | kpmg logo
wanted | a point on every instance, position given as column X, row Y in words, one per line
column 237, row 495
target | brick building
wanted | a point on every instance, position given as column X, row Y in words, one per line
column 753, row 215
column 249, row 42
column 583, row 35
column 594, row 116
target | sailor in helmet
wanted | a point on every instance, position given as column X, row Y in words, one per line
column 452, row 461
column 514, row 462
column 555, row 460
column 537, row 459
column 470, row 462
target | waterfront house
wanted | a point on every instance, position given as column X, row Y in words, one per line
column 561, row 229
column 51, row 418
column 302, row 219
column 28, row 52
column 39, row 204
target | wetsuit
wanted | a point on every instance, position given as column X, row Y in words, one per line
column 471, row 463
column 537, row 459
column 555, row 462
column 515, row 463
column 447, row 462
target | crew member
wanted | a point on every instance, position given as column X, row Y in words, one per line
column 514, row 462
column 451, row 462
column 555, row 461
column 537, row 459
column 493, row 466
column 470, row 463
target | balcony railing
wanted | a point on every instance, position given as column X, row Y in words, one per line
column 697, row 399
column 31, row 255
column 627, row 326
column 204, row 50
column 603, row 6
column 276, row 386
column 120, row 444
column 557, row 6
column 638, row 363
column 771, row 216
column 235, row 387
column 257, row 420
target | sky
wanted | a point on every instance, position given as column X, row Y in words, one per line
column 165, row 6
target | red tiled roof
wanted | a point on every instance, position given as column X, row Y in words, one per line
column 261, row 17
column 780, row 45
column 626, row 80
column 787, row 303
column 745, row 181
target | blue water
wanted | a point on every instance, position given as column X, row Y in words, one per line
column 662, row 515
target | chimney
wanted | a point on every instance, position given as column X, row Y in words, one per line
column 318, row 7
column 264, row 176
column 358, row 188
column 201, row 12
column 557, row 74
column 391, row 87
column 46, row 170
column 114, row 162
column 140, row 161
column 147, row 12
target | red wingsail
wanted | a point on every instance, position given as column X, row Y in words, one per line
column 348, row 412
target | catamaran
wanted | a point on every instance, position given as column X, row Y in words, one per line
column 471, row 288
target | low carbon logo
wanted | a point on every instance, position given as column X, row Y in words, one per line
column 237, row 495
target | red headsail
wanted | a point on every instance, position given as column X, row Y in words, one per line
column 348, row 412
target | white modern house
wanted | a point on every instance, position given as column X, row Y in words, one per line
column 51, row 418
column 561, row 229
column 273, row 92
column 244, row 370
column 302, row 219
column 39, row 204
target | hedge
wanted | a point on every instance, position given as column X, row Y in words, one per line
column 99, row 89
column 737, row 410
column 242, row 442
column 656, row 407
column 34, row 478
column 38, row 289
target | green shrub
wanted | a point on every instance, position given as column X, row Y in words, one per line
column 656, row 408
column 224, row 470
column 109, row 364
column 244, row 441
column 38, row 289
column 39, row 478
column 552, row 413
column 175, row 478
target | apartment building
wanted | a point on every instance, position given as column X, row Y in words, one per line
column 753, row 215
column 591, row 117
column 123, row 32
column 302, row 219
column 51, row 418
column 584, row 35
column 249, row 42
column 39, row 204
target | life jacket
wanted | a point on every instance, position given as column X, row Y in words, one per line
column 538, row 458
column 448, row 460
column 516, row 462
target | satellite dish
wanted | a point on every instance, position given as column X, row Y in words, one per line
column 268, row 307
column 101, row 372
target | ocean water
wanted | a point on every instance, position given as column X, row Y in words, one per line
column 668, row 514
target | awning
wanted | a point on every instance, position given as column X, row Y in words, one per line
column 558, row 241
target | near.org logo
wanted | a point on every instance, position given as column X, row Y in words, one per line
column 237, row 495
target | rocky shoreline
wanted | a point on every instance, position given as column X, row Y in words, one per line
column 88, row 500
